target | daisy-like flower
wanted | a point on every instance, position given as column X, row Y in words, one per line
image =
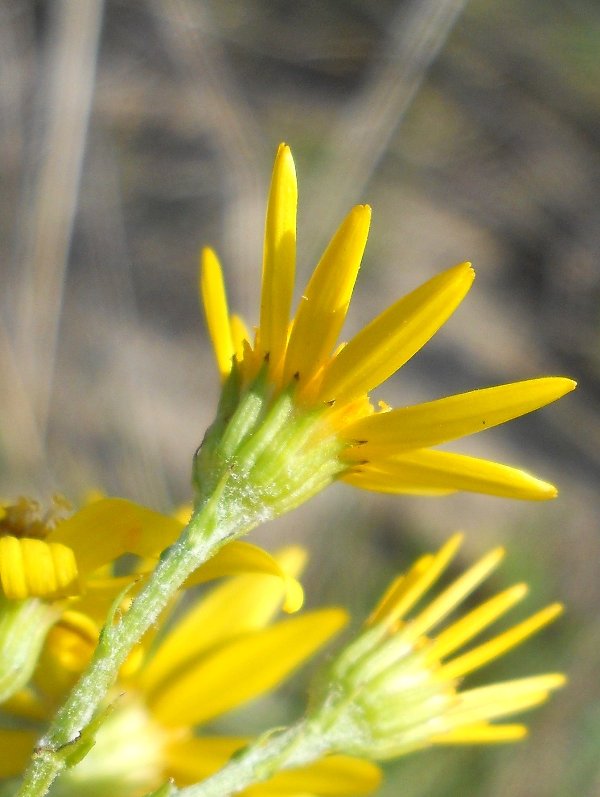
column 398, row 686
column 295, row 410
column 213, row 658
column 55, row 564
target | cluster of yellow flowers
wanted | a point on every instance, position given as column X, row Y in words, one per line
column 294, row 415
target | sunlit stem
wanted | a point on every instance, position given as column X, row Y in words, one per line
column 273, row 752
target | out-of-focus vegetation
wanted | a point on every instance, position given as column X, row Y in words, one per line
column 133, row 132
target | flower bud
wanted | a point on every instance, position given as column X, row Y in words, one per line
column 396, row 687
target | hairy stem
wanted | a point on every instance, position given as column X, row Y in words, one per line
column 271, row 753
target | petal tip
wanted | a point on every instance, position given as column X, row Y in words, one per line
column 208, row 259
column 284, row 156
column 558, row 681
column 541, row 490
column 294, row 596
column 556, row 609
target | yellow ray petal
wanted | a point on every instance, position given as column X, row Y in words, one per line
column 476, row 658
column 239, row 334
column 453, row 595
column 16, row 747
column 502, row 699
column 334, row 775
column 481, row 733
column 392, row 338
column 242, row 604
column 324, row 304
column 216, row 312
column 425, row 471
column 238, row 558
column 463, row 630
column 455, row 416
column 100, row 594
column 405, row 592
column 66, row 653
column 398, row 588
column 190, row 760
column 103, row 531
column 242, row 669
column 279, row 259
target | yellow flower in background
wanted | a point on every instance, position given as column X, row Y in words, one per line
column 398, row 686
column 61, row 554
column 310, row 400
column 223, row 651
column 56, row 570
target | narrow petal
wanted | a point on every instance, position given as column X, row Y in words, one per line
column 242, row 604
column 405, row 592
column 501, row 700
column 103, row 531
column 16, row 749
column 279, row 259
column 101, row 593
column 481, row 733
column 430, row 472
column 194, row 759
column 333, row 775
column 242, row 669
column 398, row 588
column 463, row 630
column 325, row 301
column 234, row 559
column 238, row 558
column 481, row 655
column 216, row 312
column 392, row 338
column 453, row 595
column 239, row 335
column 455, row 416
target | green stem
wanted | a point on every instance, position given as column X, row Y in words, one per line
column 269, row 754
column 201, row 539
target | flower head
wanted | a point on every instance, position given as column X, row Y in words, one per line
column 213, row 658
column 56, row 573
column 61, row 554
column 295, row 411
column 397, row 687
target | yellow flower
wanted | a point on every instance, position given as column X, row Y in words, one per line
column 397, row 687
column 55, row 570
column 222, row 652
column 59, row 554
column 296, row 377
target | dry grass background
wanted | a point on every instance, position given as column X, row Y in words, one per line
column 133, row 132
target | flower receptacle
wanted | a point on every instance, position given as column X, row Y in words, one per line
column 268, row 453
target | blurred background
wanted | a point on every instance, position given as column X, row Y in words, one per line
column 132, row 133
